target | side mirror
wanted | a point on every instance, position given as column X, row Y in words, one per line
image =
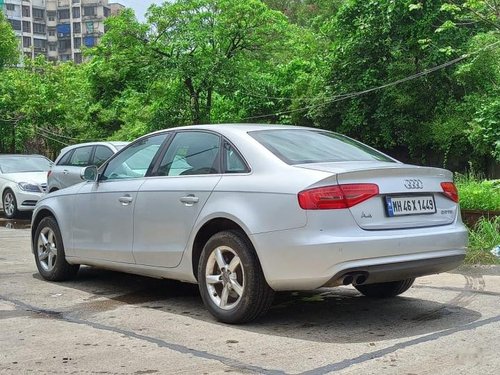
column 89, row 173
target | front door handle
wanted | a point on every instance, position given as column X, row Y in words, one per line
column 190, row 199
column 125, row 200
column 65, row 171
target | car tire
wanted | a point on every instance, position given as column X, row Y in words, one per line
column 49, row 252
column 237, row 292
column 9, row 204
column 385, row 290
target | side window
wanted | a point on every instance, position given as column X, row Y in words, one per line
column 102, row 153
column 81, row 156
column 234, row 163
column 191, row 153
column 65, row 159
column 134, row 161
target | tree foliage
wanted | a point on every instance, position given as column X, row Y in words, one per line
column 9, row 52
column 341, row 65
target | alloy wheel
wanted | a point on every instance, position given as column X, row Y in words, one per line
column 225, row 278
column 47, row 249
column 9, row 204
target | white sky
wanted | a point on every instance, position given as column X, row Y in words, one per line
column 140, row 7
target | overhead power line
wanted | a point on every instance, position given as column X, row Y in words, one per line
column 342, row 97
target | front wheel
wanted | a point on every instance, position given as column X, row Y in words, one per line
column 230, row 278
column 9, row 204
column 49, row 252
column 385, row 290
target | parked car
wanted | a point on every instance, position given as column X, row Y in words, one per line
column 246, row 210
column 66, row 169
column 23, row 181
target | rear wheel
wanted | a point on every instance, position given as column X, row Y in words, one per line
column 230, row 278
column 49, row 252
column 9, row 203
column 385, row 290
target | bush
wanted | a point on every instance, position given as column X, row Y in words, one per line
column 476, row 194
column 482, row 239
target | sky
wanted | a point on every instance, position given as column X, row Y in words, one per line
column 140, row 7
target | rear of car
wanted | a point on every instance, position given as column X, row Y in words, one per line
column 68, row 165
column 370, row 219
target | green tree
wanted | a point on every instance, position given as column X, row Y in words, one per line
column 9, row 52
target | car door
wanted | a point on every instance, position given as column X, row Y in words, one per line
column 70, row 173
column 169, row 202
column 103, row 220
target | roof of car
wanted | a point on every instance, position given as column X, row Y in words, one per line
column 104, row 143
column 232, row 127
column 21, row 155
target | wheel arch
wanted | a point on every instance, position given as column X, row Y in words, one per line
column 207, row 230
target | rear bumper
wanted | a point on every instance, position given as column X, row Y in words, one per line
column 304, row 259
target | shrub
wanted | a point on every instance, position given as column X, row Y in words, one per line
column 476, row 194
column 482, row 239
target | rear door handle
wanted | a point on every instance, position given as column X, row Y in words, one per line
column 190, row 199
column 125, row 200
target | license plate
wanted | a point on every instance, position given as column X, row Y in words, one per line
column 415, row 205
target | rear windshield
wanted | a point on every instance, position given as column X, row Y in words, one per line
column 24, row 164
column 302, row 146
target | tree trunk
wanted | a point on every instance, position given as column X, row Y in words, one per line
column 195, row 101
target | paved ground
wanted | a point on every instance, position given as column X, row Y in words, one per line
column 111, row 323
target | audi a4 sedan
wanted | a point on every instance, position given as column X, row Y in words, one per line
column 247, row 210
column 23, row 181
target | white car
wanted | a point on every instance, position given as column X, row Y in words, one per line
column 23, row 181
column 246, row 210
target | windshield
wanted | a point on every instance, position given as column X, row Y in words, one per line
column 13, row 164
column 301, row 146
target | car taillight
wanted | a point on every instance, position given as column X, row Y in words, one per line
column 450, row 190
column 336, row 196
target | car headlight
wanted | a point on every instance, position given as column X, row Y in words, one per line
column 33, row 188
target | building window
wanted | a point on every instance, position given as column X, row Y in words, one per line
column 76, row 12
column 52, row 46
column 26, row 11
column 89, row 41
column 52, row 31
column 27, row 26
column 76, row 1
column 77, row 27
column 39, row 43
column 78, row 58
column 89, row 11
column 64, row 45
column 38, row 13
column 38, row 28
column 26, row 42
column 77, row 43
column 63, row 14
column 64, row 30
column 10, row 6
column 51, row 15
column 65, row 57
column 90, row 27
column 16, row 24
column 107, row 12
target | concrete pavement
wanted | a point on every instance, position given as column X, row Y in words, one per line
column 111, row 323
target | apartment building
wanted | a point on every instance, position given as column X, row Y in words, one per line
column 58, row 29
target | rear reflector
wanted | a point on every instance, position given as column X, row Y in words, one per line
column 450, row 190
column 336, row 196
column 49, row 173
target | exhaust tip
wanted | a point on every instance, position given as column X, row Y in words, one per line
column 348, row 280
column 360, row 279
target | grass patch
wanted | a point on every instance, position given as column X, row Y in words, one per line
column 482, row 238
column 477, row 194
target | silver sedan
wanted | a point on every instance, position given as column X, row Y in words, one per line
column 246, row 210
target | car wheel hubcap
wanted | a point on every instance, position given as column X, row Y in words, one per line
column 8, row 204
column 47, row 249
column 225, row 278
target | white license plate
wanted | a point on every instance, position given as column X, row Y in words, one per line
column 415, row 205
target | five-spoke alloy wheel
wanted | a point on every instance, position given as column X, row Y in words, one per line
column 9, row 204
column 49, row 252
column 230, row 279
